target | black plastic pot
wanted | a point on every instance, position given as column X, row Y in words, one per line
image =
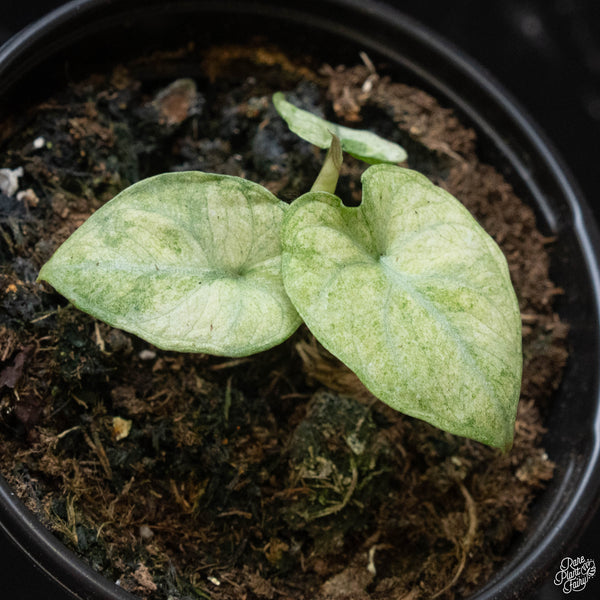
column 87, row 34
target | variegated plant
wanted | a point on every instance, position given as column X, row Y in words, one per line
column 406, row 289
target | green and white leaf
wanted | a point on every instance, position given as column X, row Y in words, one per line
column 188, row 261
column 413, row 296
column 362, row 144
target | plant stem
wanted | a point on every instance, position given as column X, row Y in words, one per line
column 327, row 178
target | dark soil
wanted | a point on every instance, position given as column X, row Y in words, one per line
column 278, row 475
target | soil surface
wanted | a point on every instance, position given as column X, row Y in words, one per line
column 273, row 476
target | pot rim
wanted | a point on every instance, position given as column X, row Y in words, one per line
column 24, row 49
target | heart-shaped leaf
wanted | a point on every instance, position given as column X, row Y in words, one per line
column 362, row 144
column 188, row 261
column 413, row 296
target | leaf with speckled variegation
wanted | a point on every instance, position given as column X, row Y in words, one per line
column 413, row 296
column 188, row 261
column 360, row 143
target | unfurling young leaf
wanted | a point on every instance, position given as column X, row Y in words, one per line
column 365, row 145
column 413, row 296
column 188, row 261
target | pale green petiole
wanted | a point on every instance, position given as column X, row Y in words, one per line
column 329, row 174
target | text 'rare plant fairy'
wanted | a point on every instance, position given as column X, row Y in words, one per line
column 406, row 289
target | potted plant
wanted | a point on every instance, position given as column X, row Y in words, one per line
column 504, row 139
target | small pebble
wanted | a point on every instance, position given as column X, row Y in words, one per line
column 147, row 355
column 29, row 197
column 120, row 428
column 146, row 533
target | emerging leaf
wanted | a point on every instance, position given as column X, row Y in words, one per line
column 413, row 296
column 362, row 144
column 188, row 261
column 329, row 174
